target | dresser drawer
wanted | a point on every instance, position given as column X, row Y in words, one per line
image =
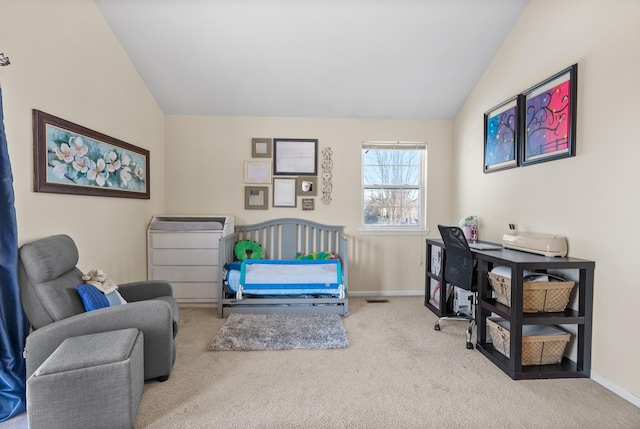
column 184, row 257
column 197, row 290
column 185, row 240
column 185, row 273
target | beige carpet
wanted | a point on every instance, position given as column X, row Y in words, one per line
column 396, row 373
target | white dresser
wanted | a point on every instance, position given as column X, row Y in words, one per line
column 183, row 250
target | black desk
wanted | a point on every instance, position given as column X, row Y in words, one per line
column 519, row 262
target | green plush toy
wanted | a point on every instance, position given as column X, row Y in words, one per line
column 315, row 256
column 248, row 249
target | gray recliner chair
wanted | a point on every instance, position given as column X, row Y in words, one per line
column 48, row 277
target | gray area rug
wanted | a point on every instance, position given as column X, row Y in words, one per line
column 280, row 332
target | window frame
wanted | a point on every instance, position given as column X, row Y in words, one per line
column 406, row 229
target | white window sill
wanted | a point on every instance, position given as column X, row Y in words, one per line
column 393, row 231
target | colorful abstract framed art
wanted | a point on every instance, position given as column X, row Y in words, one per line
column 501, row 136
column 71, row 159
column 548, row 118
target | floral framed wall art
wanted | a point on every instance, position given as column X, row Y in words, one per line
column 501, row 136
column 549, row 118
column 71, row 159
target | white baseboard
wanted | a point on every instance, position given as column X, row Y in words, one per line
column 616, row 389
column 388, row 293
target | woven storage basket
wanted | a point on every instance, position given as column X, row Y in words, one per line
column 537, row 296
column 536, row 349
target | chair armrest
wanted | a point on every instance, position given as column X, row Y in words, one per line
column 153, row 318
column 146, row 289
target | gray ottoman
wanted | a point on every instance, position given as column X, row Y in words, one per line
column 91, row 381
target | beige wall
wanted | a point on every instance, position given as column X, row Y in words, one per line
column 205, row 174
column 591, row 198
column 66, row 61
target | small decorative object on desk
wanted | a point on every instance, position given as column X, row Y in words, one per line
column 469, row 226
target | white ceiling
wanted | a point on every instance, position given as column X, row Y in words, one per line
column 311, row 58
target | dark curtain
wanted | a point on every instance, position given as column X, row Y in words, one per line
column 13, row 327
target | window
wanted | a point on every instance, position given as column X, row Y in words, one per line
column 393, row 196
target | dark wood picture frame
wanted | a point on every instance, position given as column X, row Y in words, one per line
column 295, row 157
column 548, row 118
column 501, row 136
column 72, row 159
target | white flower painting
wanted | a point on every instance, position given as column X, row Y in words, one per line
column 79, row 160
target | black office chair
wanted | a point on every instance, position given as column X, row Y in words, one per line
column 459, row 270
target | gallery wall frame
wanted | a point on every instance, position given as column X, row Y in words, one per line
column 295, row 157
column 501, row 136
column 257, row 171
column 284, row 192
column 308, row 204
column 261, row 148
column 256, row 197
column 72, row 159
column 548, row 118
column 307, row 186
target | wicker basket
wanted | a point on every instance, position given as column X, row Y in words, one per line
column 536, row 349
column 537, row 296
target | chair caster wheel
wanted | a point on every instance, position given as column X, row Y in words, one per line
column 470, row 346
column 436, row 327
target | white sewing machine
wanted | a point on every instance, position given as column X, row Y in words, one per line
column 535, row 242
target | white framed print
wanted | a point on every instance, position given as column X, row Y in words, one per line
column 257, row 172
column 284, row 192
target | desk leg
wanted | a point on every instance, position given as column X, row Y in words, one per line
column 515, row 331
column 481, row 312
column 585, row 309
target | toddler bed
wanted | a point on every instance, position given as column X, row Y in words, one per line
column 289, row 278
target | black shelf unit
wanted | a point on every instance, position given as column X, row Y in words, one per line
column 581, row 317
column 434, row 286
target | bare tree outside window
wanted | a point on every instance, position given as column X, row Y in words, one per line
column 392, row 181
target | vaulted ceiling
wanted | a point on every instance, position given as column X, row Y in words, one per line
column 312, row 58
